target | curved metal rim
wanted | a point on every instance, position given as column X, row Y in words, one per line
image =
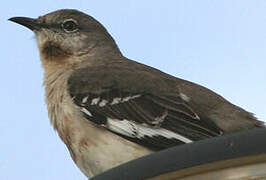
column 221, row 148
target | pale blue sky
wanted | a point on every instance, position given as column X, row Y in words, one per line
column 218, row 44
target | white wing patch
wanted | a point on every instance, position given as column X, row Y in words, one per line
column 84, row 100
column 125, row 99
column 103, row 103
column 86, row 112
column 184, row 97
column 95, row 101
column 132, row 129
column 116, row 101
column 123, row 127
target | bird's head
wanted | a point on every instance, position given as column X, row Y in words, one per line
column 64, row 36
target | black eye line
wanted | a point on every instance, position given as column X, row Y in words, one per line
column 55, row 26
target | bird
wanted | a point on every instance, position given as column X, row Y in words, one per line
column 109, row 109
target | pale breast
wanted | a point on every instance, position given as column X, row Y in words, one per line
column 92, row 148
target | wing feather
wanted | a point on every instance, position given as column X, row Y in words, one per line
column 145, row 117
column 152, row 113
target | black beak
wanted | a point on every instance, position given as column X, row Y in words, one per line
column 30, row 23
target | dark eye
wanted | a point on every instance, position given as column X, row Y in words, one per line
column 70, row 25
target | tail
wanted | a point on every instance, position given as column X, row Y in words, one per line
column 235, row 119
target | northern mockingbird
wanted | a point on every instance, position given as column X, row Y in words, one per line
column 109, row 109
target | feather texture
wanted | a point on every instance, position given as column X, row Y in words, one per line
column 145, row 117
